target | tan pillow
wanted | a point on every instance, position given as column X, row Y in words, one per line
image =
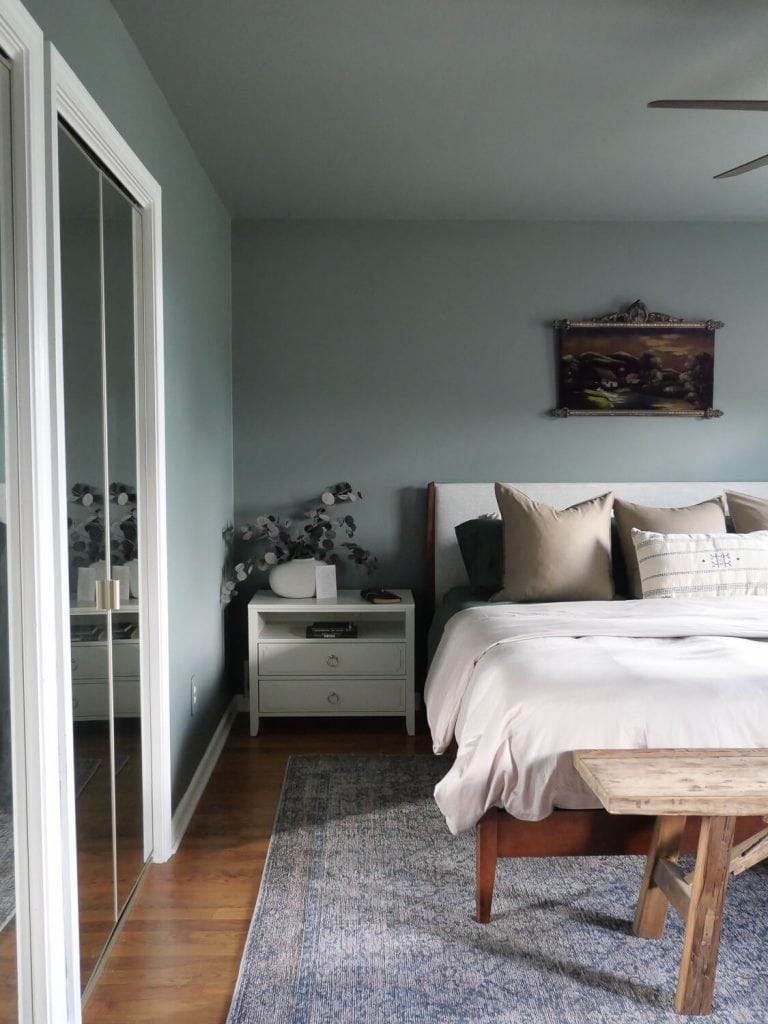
column 555, row 556
column 707, row 517
column 748, row 513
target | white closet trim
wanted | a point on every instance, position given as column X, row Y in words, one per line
column 73, row 103
column 44, row 989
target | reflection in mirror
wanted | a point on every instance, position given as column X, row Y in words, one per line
column 79, row 190
column 97, row 272
column 118, row 220
column 8, row 981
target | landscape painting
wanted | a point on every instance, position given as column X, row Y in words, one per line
column 636, row 369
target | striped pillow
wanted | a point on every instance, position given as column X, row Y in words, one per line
column 702, row 564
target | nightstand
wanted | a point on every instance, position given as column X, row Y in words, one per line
column 291, row 675
column 90, row 662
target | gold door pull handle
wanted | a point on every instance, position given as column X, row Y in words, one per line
column 108, row 595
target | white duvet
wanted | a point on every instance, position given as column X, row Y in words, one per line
column 522, row 686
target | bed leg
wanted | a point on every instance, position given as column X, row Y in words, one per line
column 486, row 854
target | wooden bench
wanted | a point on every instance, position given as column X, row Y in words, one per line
column 719, row 785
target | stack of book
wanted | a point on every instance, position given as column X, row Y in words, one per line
column 332, row 630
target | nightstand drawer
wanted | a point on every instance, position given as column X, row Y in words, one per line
column 316, row 696
column 89, row 661
column 125, row 658
column 91, row 700
column 331, row 658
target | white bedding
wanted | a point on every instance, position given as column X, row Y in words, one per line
column 522, row 686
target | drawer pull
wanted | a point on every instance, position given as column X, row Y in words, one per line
column 74, row 664
column 332, row 661
column 333, row 698
column 75, row 702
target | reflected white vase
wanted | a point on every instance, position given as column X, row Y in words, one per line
column 293, row 579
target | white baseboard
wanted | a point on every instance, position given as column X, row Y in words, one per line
column 186, row 807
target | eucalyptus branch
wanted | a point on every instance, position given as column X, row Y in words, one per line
column 315, row 532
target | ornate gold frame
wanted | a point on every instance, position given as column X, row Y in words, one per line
column 635, row 316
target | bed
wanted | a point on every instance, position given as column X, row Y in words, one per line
column 515, row 687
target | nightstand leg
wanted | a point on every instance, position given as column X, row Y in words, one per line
column 254, row 705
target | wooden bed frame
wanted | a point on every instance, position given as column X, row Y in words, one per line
column 563, row 833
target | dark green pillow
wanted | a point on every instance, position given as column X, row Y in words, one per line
column 618, row 565
column 481, row 542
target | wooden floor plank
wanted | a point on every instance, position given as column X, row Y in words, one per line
column 177, row 956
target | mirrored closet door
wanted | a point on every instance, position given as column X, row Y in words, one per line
column 99, row 232
column 8, row 979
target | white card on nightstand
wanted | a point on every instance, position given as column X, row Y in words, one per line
column 86, row 585
column 325, row 582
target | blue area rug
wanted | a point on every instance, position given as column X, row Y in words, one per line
column 365, row 917
column 7, row 893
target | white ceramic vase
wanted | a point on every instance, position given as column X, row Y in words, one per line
column 293, row 579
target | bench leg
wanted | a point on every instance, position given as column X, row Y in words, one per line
column 652, row 906
column 486, row 855
column 696, row 980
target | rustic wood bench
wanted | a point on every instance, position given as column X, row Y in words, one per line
column 719, row 785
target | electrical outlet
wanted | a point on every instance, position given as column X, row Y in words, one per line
column 192, row 695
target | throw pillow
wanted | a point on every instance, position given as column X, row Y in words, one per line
column 552, row 555
column 748, row 513
column 702, row 564
column 706, row 517
column 482, row 549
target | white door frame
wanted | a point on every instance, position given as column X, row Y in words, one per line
column 69, row 100
column 44, row 988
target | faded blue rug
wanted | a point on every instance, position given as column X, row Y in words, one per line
column 7, row 893
column 365, row 917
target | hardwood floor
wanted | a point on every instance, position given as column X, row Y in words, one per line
column 178, row 953
column 8, row 978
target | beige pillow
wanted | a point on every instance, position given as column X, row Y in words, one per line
column 707, row 517
column 555, row 556
column 748, row 513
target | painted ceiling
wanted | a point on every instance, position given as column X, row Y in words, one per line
column 465, row 109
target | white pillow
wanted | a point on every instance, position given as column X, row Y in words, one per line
column 702, row 564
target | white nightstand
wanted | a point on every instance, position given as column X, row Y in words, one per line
column 291, row 675
column 90, row 663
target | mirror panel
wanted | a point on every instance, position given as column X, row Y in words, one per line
column 8, row 971
column 79, row 191
column 121, row 459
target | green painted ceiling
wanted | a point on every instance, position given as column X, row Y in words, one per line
column 465, row 109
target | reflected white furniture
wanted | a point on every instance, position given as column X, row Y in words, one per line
column 291, row 675
column 90, row 667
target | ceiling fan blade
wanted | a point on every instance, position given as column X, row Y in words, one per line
column 761, row 161
column 711, row 104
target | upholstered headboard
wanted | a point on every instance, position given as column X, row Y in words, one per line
column 451, row 504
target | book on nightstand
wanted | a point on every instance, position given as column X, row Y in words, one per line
column 380, row 597
column 331, row 630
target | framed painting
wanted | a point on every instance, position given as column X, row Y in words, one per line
column 636, row 363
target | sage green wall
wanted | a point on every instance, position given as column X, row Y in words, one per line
column 392, row 354
column 197, row 294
